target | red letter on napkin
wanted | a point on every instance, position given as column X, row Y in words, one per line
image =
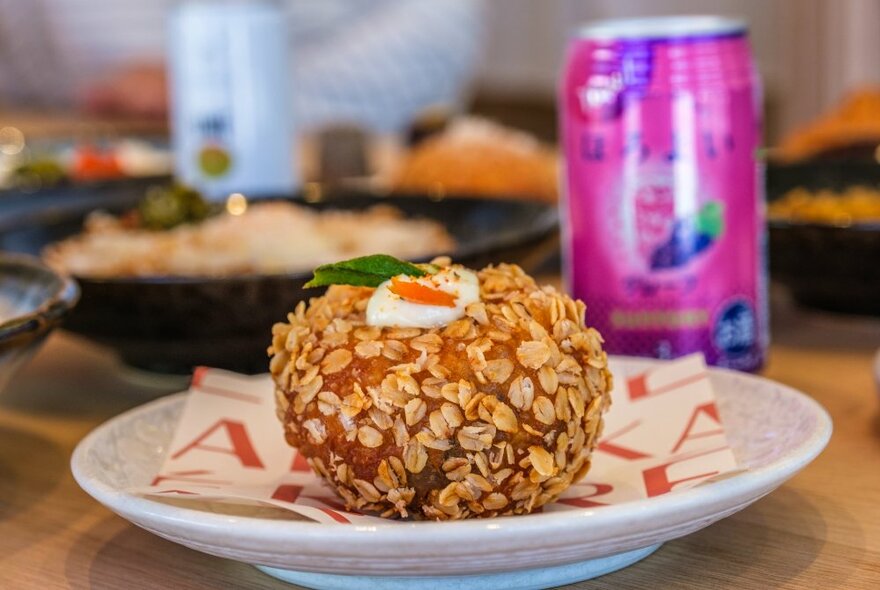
column 638, row 386
column 287, row 493
column 241, row 444
column 657, row 478
column 609, row 447
column 299, row 463
column 709, row 410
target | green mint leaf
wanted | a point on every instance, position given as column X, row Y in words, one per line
column 379, row 264
column 366, row 271
column 327, row 277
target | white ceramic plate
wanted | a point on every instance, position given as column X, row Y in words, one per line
column 774, row 431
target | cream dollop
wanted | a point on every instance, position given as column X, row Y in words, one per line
column 389, row 309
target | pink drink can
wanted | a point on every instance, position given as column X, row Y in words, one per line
column 663, row 220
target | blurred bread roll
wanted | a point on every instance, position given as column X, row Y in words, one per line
column 476, row 157
column 855, row 120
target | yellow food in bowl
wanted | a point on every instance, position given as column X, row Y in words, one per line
column 858, row 204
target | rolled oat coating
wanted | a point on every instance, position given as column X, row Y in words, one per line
column 496, row 413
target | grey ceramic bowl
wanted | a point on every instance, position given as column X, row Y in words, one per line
column 33, row 301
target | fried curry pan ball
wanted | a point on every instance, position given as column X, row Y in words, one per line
column 495, row 413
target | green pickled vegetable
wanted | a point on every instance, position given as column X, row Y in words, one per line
column 165, row 207
column 366, row 271
column 38, row 173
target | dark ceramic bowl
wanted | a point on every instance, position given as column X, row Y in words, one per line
column 835, row 268
column 33, row 300
column 828, row 267
column 172, row 324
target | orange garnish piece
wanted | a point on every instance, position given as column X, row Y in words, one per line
column 419, row 293
column 90, row 163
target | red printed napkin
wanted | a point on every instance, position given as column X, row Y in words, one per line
column 662, row 434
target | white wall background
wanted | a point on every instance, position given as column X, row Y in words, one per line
column 808, row 51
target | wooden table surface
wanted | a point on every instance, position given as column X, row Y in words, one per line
column 820, row 530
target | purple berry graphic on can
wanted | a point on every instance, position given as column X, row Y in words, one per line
column 690, row 237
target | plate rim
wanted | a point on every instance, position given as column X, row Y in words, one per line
column 758, row 479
